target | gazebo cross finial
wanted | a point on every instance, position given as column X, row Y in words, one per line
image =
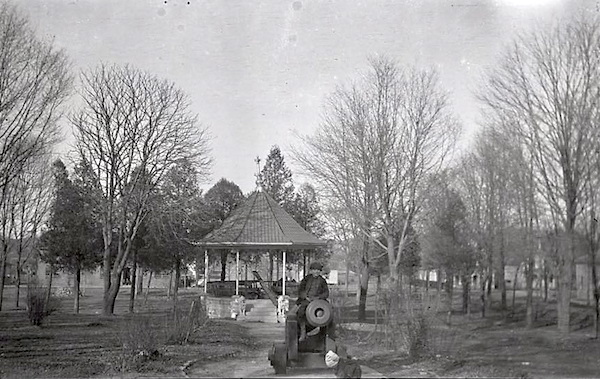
column 257, row 160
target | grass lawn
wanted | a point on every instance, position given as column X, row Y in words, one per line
column 90, row 344
column 498, row 345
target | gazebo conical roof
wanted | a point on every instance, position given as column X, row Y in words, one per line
column 260, row 224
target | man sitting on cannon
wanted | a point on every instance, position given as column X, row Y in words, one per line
column 302, row 348
column 312, row 287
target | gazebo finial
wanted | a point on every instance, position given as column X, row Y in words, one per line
column 257, row 160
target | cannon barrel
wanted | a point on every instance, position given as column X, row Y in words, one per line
column 319, row 313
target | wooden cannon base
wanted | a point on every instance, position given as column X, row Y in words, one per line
column 307, row 354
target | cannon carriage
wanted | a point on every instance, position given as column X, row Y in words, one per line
column 310, row 352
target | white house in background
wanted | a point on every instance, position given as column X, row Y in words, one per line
column 583, row 277
column 332, row 277
column 514, row 273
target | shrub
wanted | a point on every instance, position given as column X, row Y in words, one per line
column 180, row 325
column 415, row 335
column 37, row 306
column 340, row 302
column 410, row 324
column 139, row 341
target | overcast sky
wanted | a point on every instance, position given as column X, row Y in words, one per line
column 258, row 72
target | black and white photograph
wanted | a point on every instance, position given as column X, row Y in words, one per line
column 299, row 189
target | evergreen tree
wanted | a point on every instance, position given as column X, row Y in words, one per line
column 72, row 241
column 220, row 200
column 175, row 219
column 305, row 210
column 275, row 178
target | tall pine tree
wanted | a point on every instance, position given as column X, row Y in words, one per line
column 275, row 178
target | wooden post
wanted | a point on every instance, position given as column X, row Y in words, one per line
column 284, row 275
column 205, row 272
column 237, row 272
column 303, row 263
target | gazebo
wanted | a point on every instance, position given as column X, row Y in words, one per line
column 258, row 224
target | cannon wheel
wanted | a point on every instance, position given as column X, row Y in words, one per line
column 319, row 313
column 279, row 358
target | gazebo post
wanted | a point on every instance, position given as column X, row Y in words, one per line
column 303, row 263
column 205, row 271
column 237, row 272
column 284, row 276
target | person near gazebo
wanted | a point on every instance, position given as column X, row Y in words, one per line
column 312, row 287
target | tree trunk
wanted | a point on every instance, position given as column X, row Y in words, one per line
column 49, row 291
column 530, row 315
column 224, row 256
column 304, row 263
column 148, row 288
column 347, row 276
column 18, row 284
column 176, row 284
column 140, row 281
column 545, row 282
column 77, row 279
column 588, row 298
column 596, row 301
column 364, row 286
column 564, row 298
column 563, row 301
column 514, row 289
column 466, row 286
column 106, row 270
column 111, row 296
column 501, row 276
column 488, row 291
column 270, row 273
column 449, row 293
column 133, row 282
column 427, row 282
column 3, row 272
column 170, row 287
column 439, row 287
column 482, row 281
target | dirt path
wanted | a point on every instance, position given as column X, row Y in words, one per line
column 255, row 364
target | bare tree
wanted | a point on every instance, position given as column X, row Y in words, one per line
column 30, row 206
column 591, row 227
column 447, row 236
column 522, row 204
column 495, row 167
column 34, row 82
column 471, row 184
column 548, row 82
column 132, row 128
column 379, row 141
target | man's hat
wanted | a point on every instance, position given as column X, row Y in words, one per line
column 316, row 266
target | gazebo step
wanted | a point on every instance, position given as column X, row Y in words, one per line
column 259, row 304
column 266, row 319
column 260, row 310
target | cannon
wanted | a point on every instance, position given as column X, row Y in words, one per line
column 309, row 353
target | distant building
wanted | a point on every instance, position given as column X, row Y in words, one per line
column 583, row 277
